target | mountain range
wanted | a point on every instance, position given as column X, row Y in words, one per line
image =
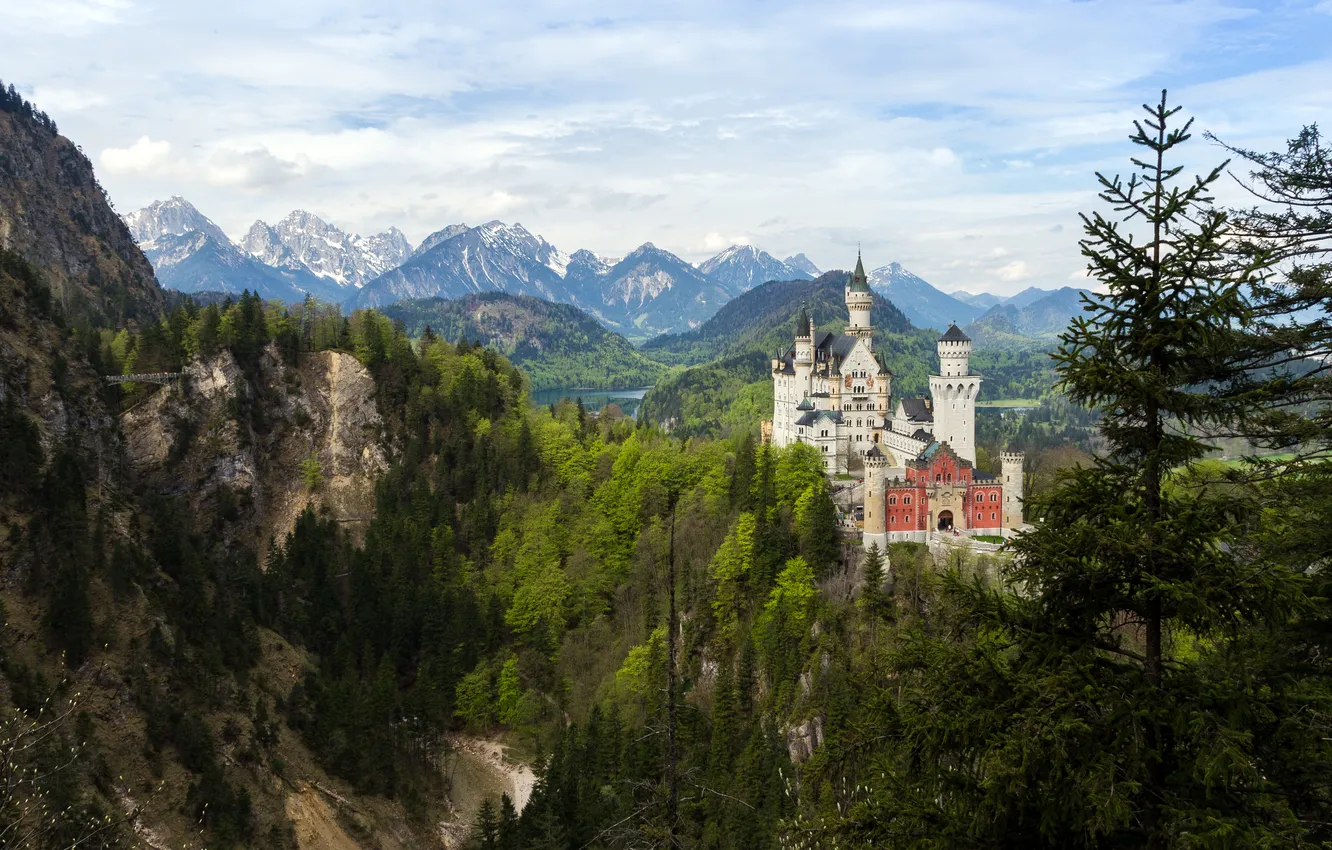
column 646, row 293
column 302, row 254
column 1032, row 314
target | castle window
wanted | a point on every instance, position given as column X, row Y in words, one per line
column 938, row 477
column 907, row 500
column 893, row 520
column 993, row 515
column 994, row 497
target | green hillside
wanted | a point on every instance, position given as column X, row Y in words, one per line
column 763, row 319
column 557, row 345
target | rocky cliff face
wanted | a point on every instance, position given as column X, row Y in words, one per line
column 189, row 439
column 54, row 214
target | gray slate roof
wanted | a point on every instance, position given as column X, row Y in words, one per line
column 954, row 334
column 917, row 410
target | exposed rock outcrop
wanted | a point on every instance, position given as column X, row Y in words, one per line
column 803, row 740
column 196, row 439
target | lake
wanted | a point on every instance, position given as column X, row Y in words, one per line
column 628, row 400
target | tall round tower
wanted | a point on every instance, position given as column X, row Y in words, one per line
column 859, row 300
column 876, row 523
column 954, row 393
column 954, row 349
column 1011, row 476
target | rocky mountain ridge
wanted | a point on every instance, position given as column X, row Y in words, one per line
column 745, row 266
column 304, row 241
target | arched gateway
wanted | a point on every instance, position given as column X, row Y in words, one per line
column 945, row 520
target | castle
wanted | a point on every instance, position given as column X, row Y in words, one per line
column 833, row 392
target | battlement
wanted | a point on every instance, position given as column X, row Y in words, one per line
column 875, row 459
column 1011, row 457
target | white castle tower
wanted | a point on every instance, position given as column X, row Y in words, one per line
column 876, row 523
column 804, row 353
column 859, row 300
column 1011, row 476
column 954, row 393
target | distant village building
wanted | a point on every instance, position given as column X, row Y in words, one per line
column 834, row 393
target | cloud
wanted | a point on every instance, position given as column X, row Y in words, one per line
column 61, row 100
column 142, row 156
column 715, row 242
column 604, row 127
column 254, row 168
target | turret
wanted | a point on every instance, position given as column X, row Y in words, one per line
column 954, row 349
column 804, row 351
column 883, row 386
column 859, row 300
column 876, row 523
column 1011, row 476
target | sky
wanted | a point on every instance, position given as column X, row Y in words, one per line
column 960, row 139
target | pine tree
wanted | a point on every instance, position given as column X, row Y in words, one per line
column 873, row 571
column 485, row 834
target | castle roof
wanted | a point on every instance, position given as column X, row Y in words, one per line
column 979, row 476
column 922, row 435
column 874, row 452
column 917, row 410
column 813, row 416
column 954, row 334
column 803, row 324
column 859, row 281
column 842, row 344
column 805, row 404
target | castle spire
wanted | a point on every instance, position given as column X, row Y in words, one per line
column 859, row 280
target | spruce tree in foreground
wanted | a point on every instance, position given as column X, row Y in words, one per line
column 1110, row 700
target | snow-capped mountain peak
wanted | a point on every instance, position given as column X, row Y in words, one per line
column 173, row 217
column 804, row 264
column 741, row 267
column 304, row 241
column 439, row 236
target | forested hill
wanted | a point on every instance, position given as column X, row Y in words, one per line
column 557, row 345
column 763, row 319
